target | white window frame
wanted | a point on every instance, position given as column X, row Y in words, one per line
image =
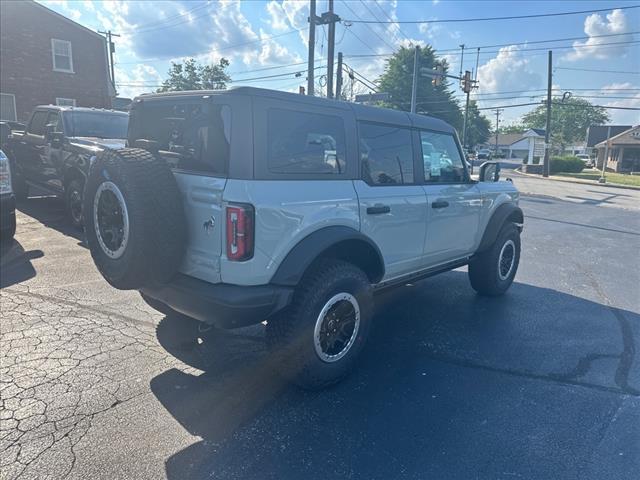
column 65, row 102
column 53, row 56
column 15, row 111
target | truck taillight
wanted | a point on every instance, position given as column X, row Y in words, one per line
column 240, row 232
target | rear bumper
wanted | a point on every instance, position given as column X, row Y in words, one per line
column 222, row 305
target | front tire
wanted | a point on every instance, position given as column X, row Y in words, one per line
column 323, row 332
column 492, row 272
column 73, row 195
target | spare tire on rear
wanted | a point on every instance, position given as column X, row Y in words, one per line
column 134, row 219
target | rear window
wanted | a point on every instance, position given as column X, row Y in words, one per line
column 190, row 135
column 305, row 143
column 38, row 122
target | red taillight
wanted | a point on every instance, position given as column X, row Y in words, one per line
column 239, row 232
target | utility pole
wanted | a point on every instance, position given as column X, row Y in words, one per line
column 111, row 51
column 602, row 178
column 461, row 59
column 414, row 86
column 498, row 112
column 547, row 130
column 339, row 77
column 330, row 49
column 466, row 88
column 312, row 47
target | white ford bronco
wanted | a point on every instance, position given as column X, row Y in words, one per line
column 248, row 205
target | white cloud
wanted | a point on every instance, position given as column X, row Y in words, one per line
column 72, row 13
column 624, row 117
column 145, row 76
column 595, row 26
column 278, row 17
column 506, row 72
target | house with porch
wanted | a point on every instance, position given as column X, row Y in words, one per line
column 622, row 151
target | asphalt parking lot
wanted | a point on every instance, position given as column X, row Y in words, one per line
column 541, row 383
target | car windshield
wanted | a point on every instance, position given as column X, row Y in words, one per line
column 96, row 124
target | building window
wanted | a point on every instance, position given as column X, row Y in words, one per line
column 61, row 54
column 8, row 107
column 66, row 102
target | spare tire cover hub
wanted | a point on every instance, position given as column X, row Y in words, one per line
column 111, row 219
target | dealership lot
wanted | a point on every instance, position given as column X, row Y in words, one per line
column 541, row 383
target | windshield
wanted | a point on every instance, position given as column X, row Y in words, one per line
column 96, row 124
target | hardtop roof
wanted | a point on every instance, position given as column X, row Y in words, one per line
column 65, row 108
column 362, row 112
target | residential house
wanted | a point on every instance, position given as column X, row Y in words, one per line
column 622, row 151
column 598, row 133
column 46, row 58
column 519, row 145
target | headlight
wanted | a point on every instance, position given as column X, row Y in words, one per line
column 5, row 174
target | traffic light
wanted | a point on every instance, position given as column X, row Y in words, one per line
column 466, row 82
column 438, row 75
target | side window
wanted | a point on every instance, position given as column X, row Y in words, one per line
column 386, row 154
column 305, row 143
column 54, row 119
column 37, row 123
column 441, row 158
column 190, row 136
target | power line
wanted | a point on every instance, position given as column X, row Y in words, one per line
column 368, row 27
column 376, row 17
column 596, row 70
column 486, row 52
column 392, row 20
column 511, row 17
column 166, row 20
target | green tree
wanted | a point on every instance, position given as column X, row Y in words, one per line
column 569, row 119
column 513, row 128
column 192, row 76
column 437, row 101
column 478, row 126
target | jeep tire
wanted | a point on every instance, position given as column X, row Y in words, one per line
column 133, row 218
column 73, row 192
column 492, row 271
column 320, row 336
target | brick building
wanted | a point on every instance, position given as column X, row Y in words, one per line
column 46, row 58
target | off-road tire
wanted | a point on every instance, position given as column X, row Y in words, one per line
column 73, row 187
column 156, row 242
column 8, row 230
column 290, row 334
column 19, row 186
column 484, row 273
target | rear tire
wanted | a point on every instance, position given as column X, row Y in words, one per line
column 320, row 336
column 492, row 272
column 19, row 187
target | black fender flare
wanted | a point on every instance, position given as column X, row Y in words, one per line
column 504, row 213
column 363, row 252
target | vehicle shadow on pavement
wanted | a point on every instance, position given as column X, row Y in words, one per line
column 446, row 375
column 50, row 212
column 15, row 263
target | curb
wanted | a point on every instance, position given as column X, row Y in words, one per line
column 580, row 181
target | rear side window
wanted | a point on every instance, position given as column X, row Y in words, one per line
column 386, row 154
column 305, row 143
column 441, row 158
column 190, row 136
column 38, row 122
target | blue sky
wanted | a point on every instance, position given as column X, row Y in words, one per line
column 257, row 35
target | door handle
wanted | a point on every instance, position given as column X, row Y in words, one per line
column 439, row 204
column 378, row 209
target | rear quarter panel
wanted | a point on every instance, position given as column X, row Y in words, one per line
column 286, row 212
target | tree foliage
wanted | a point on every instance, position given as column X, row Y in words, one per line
column 569, row 119
column 397, row 79
column 191, row 75
column 478, row 126
column 512, row 128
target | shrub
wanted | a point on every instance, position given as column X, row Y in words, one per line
column 567, row 163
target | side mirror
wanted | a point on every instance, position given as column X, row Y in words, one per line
column 489, row 172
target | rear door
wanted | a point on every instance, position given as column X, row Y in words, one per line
column 393, row 209
column 32, row 146
column 454, row 201
column 193, row 135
